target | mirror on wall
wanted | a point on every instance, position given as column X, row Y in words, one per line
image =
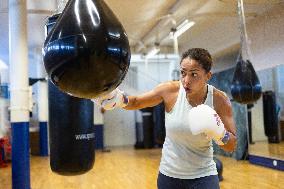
column 266, row 116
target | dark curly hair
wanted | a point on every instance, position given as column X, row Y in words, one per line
column 202, row 56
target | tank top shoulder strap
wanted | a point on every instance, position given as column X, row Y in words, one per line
column 209, row 101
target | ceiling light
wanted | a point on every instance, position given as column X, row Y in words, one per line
column 3, row 65
column 153, row 51
column 184, row 26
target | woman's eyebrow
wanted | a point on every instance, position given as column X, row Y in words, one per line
column 191, row 70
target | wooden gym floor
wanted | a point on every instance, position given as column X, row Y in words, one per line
column 269, row 150
column 126, row 168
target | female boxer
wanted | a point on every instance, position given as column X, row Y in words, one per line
column 196, row 113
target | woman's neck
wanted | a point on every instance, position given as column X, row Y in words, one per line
column 198, row 98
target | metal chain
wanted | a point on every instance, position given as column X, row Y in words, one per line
column 61, row 5
column 244, row 37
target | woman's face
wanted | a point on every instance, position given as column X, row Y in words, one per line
column 193, row 77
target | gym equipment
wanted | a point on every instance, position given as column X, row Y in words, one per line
column 86, row 53
column 270, row 116
column 245, row 88
column 159, row 124
column 72, row 133
column 148, row 127
column 71, row 129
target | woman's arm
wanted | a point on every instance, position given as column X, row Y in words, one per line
column 148, row 99
column 223, row 107
column 117, row 98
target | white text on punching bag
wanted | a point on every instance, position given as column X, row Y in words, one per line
column 85, row 136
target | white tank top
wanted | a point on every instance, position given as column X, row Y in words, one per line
column 184, row 155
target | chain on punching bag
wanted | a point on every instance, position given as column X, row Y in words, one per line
column 71, row 129
column 87, row 53
column 245, row 87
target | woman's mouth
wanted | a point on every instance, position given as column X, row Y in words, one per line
column 187, row 90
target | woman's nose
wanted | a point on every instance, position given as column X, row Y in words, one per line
column 187, row 80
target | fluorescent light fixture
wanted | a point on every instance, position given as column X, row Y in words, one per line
column 183, row 27
column 152, row 52
column 3, row 65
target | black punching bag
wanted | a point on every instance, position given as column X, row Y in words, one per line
column 270, row 117
column 148, row 127
column 71, row 129
column 245, row 87
column 71, row 132
column 159, row 124
column 87, row 52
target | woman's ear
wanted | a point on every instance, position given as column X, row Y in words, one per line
column 209, row 75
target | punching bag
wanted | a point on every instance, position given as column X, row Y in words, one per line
column 71, row 132
column 148, row 127
column 270, row 117
column 71, row 129
column 159, row 124
column 245, row 88
column 87, row 53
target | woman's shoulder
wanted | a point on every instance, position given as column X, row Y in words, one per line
column 169, row 92
column 169, row 86
column 221, row 100
column 219, row 93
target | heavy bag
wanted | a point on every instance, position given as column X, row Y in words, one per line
column 245, row 87
column 159, row 123
column 71, row 130
column 270, row 117
column 148, row 127
column 71, row 133
column 87, row 52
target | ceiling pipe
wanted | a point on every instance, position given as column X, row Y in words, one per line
column 160, row 22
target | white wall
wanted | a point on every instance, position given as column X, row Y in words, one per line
column 266, row 35
column 119, row 125
column 266, row 42
column 153, row 74
column 226, row 60
column 119, row 128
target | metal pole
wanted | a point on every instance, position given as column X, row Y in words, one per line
column 19, row 102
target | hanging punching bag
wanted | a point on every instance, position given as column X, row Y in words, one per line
column 71, row 129
column 245, row 88
column 72, row 134
column 87, row 52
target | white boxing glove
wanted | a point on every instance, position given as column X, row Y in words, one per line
column 114, row 99
column 204, row 119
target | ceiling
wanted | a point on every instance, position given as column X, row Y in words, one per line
column 150, row 21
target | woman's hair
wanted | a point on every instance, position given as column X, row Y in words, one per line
column 202, row 56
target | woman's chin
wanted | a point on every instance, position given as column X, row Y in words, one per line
column 188, row 91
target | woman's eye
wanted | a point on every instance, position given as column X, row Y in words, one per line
column 194, row 74
column 182, row 73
